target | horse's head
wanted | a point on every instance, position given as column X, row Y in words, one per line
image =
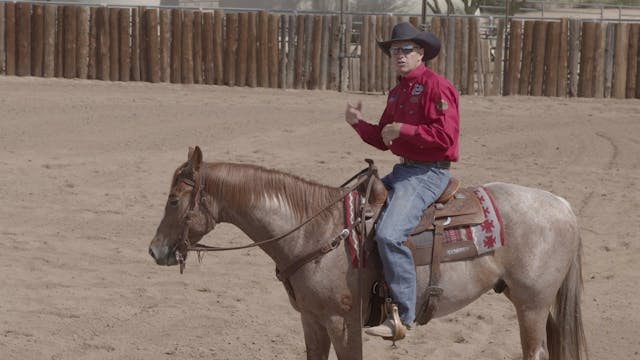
column 188, row 214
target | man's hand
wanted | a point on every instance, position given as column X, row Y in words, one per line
column 353, row 113
column 390, row 132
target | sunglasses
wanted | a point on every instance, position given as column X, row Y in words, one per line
column 407, row 49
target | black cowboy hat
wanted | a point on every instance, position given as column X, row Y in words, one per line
column 406, row 32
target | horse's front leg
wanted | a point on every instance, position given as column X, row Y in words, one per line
column 316, row 338
column 346, row 337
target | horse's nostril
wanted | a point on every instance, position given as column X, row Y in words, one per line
column 152, row 254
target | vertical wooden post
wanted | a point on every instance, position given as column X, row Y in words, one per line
column 585, row 84
column 451, row 50
column 632, row 62
column 575, row 27
column 334, row 54
column 347, row 77
column 82, row 51
column 469, row 39
column 308, row 51
column 10, row 37
column 70, row 43
column 512, row 75
column 598, row 60
column 537, row 82
column 243, row 49
column 37, row 39
column 49, row 46
column 124, row 33
column 376, row 35
column 563, row 58
column 273, row 50
column 464, row 39
column 252, row 51
column 436, row 29
column 187, row 47
column 230, row 49
column 59, row 66
column 135, row 44
column 197, row 47
column 218, row 46
column 153, row 45
column 299, row 53
column 466, row 71
column 282, row 68
column 324, row 52
column 292, row 46
column 524, row 85
column 383, row 64
column 372, row 49
column 608, row 58
column 444, row 48
column 207, row 47
column 165, row 45
column 551, row 59
column 23, row 38
column 314, row 78
column 621, row 55
column 482, row 55
column 263, row 49
column 143, row 44
column 496, row 83
column 114, row 45
column 3, row 52
column 102, row 32
column 176, row 46
column 365, row 44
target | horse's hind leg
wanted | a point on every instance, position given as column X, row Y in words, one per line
column 316, row 338
column 533, row 333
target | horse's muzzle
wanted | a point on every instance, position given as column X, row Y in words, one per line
column 163, row 255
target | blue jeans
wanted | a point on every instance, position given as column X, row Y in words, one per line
column 412, row 188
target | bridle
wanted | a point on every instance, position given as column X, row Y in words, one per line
column 184, row 245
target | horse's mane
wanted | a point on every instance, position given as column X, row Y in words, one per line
column 244, row 184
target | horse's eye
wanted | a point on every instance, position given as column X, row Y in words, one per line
column 173, row 202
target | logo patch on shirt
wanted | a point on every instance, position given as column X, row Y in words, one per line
column 417, row 90
column 442, row 105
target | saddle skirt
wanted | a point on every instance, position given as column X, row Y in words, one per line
column 471, row 222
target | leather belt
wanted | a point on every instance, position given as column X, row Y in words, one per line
column 437, row 164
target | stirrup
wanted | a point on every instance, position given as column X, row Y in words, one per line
column 399, row 331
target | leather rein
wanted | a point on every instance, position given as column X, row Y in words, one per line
column 184, row 245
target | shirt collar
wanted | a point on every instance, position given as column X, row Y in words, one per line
column 413, row 75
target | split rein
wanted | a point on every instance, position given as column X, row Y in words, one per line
column 184, row 246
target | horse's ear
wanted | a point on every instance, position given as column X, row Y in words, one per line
column 195, row 157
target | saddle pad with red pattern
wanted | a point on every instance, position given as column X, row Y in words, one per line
column 488, row 235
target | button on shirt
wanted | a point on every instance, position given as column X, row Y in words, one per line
column 426, row 105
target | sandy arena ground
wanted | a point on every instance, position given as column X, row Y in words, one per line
column 84, row 175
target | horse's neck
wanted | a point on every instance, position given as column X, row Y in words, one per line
column 263, row 210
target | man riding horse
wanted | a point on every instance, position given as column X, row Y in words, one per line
column 420, row 124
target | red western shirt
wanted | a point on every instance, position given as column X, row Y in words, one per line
column 426, row 105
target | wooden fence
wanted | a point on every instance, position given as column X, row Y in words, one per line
column 301, row 51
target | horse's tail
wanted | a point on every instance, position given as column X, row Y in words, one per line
column 565, row 334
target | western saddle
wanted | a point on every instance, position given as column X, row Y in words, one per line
column 456, row 207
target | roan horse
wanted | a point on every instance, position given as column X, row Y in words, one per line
column 539, row 266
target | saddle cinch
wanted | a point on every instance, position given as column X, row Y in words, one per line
column 454, row 208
